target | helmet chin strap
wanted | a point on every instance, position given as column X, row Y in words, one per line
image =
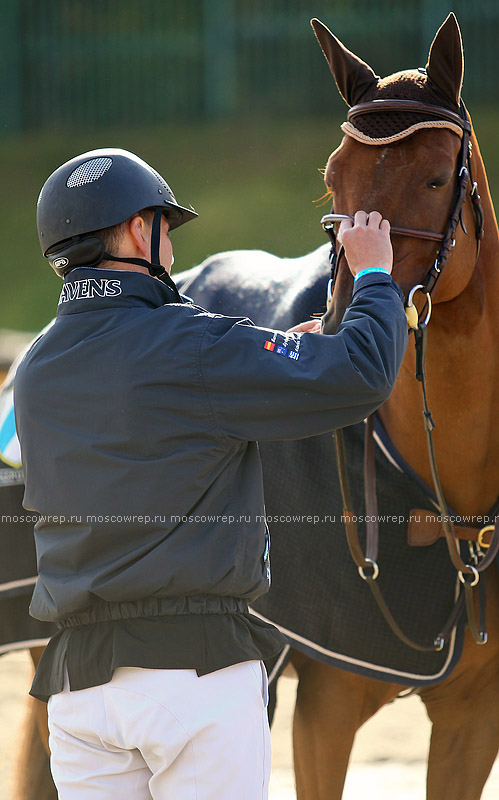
column 156, row 270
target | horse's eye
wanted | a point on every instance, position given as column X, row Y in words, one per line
column 437, row 183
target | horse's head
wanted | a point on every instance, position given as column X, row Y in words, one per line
column 404, row 161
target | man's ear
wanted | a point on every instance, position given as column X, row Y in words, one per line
column 138, row 230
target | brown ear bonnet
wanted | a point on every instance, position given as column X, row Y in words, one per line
column 439, row 84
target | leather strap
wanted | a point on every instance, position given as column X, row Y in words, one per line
column 377, row 106
column 433, row 237
column 425, row 528
column 470, row 570
column 367, row 565
column 371, row 499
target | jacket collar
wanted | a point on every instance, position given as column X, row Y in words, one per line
column 90, row 288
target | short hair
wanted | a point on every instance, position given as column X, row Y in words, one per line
column 112, row 236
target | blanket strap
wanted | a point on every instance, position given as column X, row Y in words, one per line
column 469, row 573
column 367, row 564
column 425, row 528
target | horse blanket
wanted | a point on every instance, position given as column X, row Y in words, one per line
column 17, row 568
column 317, row 597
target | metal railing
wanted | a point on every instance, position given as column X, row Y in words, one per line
column 73, row 63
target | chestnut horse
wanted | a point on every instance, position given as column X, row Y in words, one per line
column 412, row 181
column 407, row 157
column 408, row 170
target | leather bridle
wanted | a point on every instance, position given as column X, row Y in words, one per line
column 469, row 573
column 464, row 175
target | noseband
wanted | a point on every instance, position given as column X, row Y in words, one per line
column 464, row 174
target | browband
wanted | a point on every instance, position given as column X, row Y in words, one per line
column 380, row 106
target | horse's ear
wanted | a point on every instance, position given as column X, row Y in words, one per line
column 445, row 63
column 352, row 75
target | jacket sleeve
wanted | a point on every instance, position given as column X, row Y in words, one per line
column 268, row 385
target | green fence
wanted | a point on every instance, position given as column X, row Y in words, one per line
column 81, row 63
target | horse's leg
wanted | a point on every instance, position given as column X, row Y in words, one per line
column 331, row 706
column 464, row 711
column 33, row 780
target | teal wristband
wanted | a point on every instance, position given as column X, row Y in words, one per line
column 368, row 270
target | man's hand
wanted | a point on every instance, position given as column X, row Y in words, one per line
column 311, row 326
column 367, row 242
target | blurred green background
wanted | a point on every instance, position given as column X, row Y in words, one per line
column 231, row 101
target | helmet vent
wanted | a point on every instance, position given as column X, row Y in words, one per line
column 89, row 172
column 163, row 184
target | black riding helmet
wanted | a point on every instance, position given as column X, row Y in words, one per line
column 97, row 190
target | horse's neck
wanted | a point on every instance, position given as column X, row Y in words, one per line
column 463, row 386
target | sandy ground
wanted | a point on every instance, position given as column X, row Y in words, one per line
column 388, row 761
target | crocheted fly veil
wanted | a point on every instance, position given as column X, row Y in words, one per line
column 439, row 85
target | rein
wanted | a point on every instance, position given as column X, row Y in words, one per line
column 469, row 574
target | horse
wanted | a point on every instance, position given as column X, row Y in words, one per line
column 409, row 163
column 408, row 151
column 33, row 779
column 19, row 630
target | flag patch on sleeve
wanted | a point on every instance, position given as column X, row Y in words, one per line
column 283, row 349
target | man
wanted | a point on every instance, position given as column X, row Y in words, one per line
column 138, row 415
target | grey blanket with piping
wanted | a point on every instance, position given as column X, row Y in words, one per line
column 317, row 596
column 17, row 568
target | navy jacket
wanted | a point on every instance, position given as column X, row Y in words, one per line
column 138, row 419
